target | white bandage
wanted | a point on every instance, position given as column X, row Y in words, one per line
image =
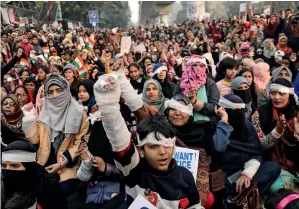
column 160, row 69
column 225, row 103
column 281, row 88
column 251, row 167
column 188, row 109
column 151, row 139
column 195, row 60
column 19, row 156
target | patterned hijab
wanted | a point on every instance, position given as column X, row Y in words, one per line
column 13, row 121
column 194, row 77
column 60, row 114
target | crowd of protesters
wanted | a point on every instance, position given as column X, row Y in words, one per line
column 85, row 125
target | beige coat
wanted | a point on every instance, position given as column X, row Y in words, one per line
column 70, row 143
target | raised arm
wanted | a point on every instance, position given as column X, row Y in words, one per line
column 107, row 93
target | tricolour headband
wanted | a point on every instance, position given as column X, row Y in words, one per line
column 151, row 139
column 281, row 88
column 285, row 201
column 188, row 109
column 19, row 156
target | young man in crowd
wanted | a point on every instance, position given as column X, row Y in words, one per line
column 151, row 172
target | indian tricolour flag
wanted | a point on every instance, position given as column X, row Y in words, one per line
column 89, row 42
column 78, row 62
column 83, row 71
column 59, row 27
column 24, row 62
column 46, row 51
column 32, row 56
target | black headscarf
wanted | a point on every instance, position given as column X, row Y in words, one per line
column 20, row 181
column 236, row 118
column 88, row 85
column 99, row 145
column 244, row 137
column 197, row 134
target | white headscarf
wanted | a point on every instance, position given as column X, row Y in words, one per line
column 61, row 113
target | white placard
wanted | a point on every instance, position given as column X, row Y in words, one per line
column 94, row 24
column 243, row 7
column 140, row 48
column 141, row 203
column 192, row 10
column 206, row 16
column 70, row 25
column 125, row 45
column 187, row 158
column 5, row 16
column 267, row 10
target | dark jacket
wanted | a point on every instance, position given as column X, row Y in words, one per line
column 8, row 66
column 49, row 193
column 236, row 153
column 212, row 94
column 138, row 86
column 168, row 89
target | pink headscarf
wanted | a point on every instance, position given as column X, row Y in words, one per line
column 194, row 77
column 40, row 98
column 249, row 63
column 261, row 75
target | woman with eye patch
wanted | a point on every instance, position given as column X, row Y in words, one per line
column 58, row 131
column 277, row 124
column 11, row 120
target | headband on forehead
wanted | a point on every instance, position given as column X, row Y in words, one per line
column 151, row 139
column 281, row 88
column 193, row 60
column 225, row 103
column 162, row 68
column 19, row 156
column 188, row 109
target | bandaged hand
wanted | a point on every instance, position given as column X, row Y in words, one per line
column 107, row 93
column 29, row 114
column 28, row 109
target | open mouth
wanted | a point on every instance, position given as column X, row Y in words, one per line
column 8, row 112
column 163, row 161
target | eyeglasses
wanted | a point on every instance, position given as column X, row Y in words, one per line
column 10, row 104
column 21, row 95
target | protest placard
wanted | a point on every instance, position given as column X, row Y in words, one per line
column 187, row 158
column 267, row 10
column 140, row 48
column 243, row 7
column 125, row 45
column 141, row 203
column 192, row 10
